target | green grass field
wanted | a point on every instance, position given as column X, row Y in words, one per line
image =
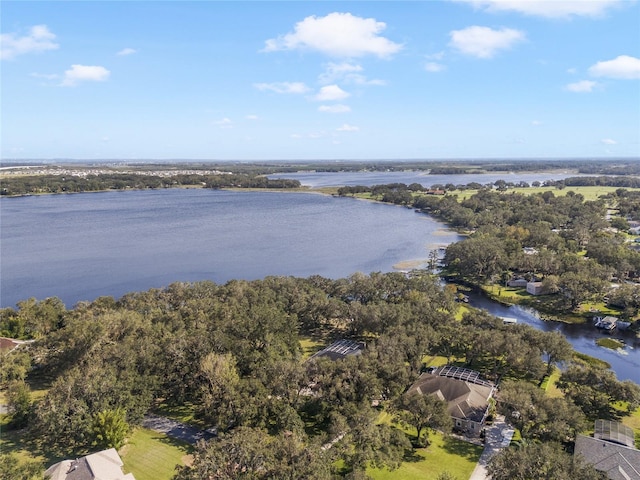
column 444, row 454
column 589, row 193
column 310, row 346
column 153, row 456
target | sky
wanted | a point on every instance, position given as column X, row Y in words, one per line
column 315, row 80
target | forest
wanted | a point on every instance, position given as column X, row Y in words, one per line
column 573, row 246
column 233, row 354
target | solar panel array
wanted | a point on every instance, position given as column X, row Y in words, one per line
column 463, row 374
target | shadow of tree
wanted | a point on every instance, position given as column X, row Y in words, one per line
column 463, row 449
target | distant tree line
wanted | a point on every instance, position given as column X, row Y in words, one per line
column 36, row 184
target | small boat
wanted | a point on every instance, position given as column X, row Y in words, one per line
column 509, row 320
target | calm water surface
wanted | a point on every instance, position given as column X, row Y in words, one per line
column 335, row 179
column 81, row 246
column 625, row 362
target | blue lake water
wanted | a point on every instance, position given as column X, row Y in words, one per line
column 81, row 246
column 335, row 179
column 625, row 362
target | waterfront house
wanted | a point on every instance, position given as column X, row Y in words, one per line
column 517, row 282
column 534, row 288
column 467, row 395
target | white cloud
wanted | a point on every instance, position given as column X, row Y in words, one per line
column 337, row 71
column 348, row 128
column 608, row 141
column 337, row 35
column 484, row 42
column 548, row 8
column 346, row 72
column 295, row 135
column 435, row 56
column 127, row 51
column 84, row 73
column 224, row 123
column 39, row 39
column 572, row 71
column 623, row 66
column 536, row 123
column 331, row 93
column 338, row 108
column 252, row 117
column 46, row 76
column 283, row 87
column 583, row 86
column 434, row 67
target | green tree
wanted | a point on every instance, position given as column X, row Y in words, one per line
column 11, row 468
column 538, row 416
column 252, row 454
column 220, row 389
column 423, row 412
column 596, row 390
column 110, row 428
column 19, row 403
column 539, row 461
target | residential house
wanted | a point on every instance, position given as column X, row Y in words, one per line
column 611, row 451
column 467, row 395
column 104, row 465
column 534, row 288
column 517, row 282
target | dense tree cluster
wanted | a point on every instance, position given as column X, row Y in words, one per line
column 234, row 352
column 564, row 241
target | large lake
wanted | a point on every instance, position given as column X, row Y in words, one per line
column 336, row 179
column 81, row 246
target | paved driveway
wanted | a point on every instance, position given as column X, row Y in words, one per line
column 497, row 437
column 174, row 429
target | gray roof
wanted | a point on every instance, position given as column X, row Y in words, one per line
column 619, row 462
column 340, row 349
column 104, row 465
column 466, row 400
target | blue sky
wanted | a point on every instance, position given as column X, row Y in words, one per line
column 320, row 80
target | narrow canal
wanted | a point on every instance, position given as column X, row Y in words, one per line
column 624, row 362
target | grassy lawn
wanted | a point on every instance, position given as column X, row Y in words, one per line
column 589, row 193
column 611, row 343
column 435, row 360
column 184, row 413
column 153, row 456
column 550, row 388
column 310, row 346
column 444, row 454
